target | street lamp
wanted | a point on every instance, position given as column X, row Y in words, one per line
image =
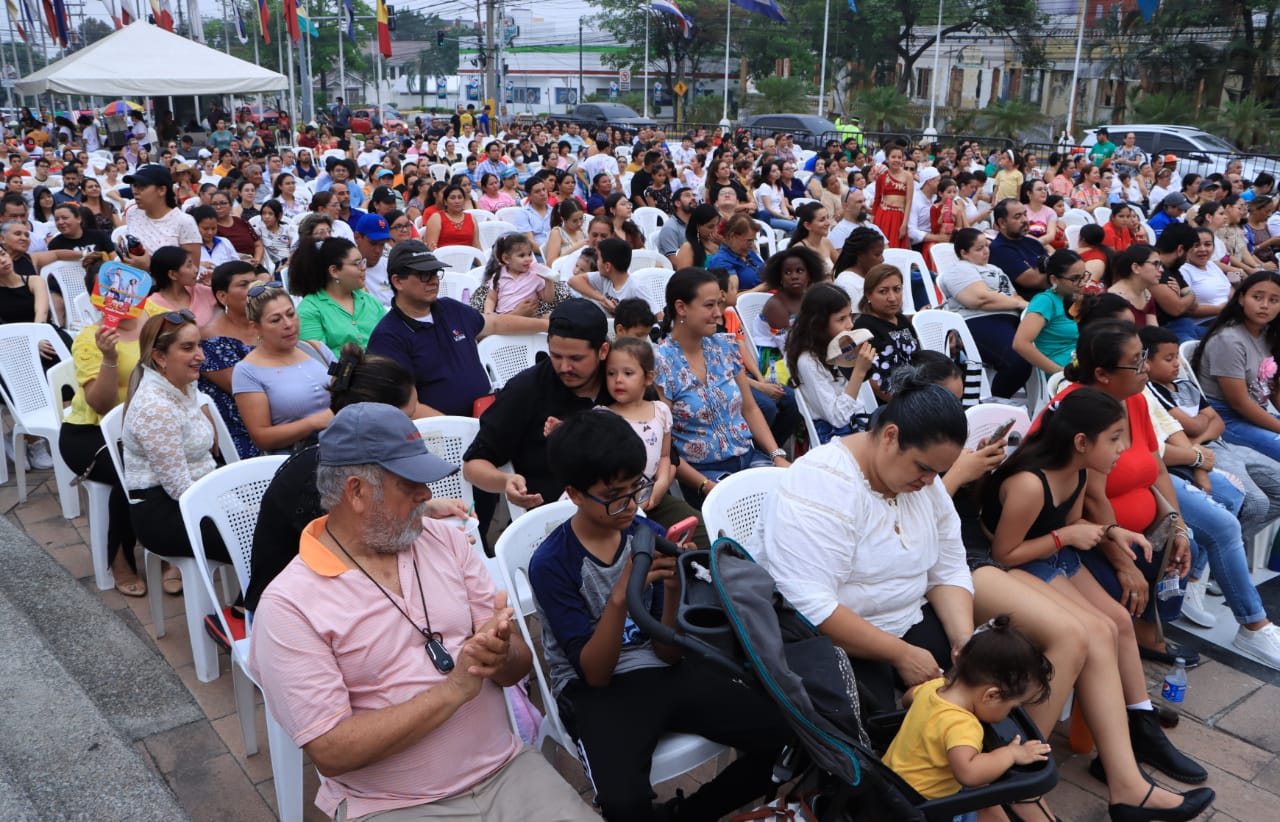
column 931, row 133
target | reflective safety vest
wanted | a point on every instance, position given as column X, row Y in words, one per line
column 847, row 130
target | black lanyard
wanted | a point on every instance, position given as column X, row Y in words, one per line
column 436, row 652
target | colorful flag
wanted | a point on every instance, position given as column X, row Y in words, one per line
column 384, row 29
column 304, row 22
column 1148, row 8
column 242, row 34
column 60, row 21
column 349, row 18
column 161, row 14
column 194, row 23
column 769, row 8
column 31, row 13
column 290, row 11
column 264, row 21
column 112, row 12
column 669, row 7
column 16, row 17
column 853, row 6
column 127, row 12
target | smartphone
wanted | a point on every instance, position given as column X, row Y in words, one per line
column 1001, row 431
column 682, row 530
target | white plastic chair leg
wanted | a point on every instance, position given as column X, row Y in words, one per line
column 4, row 461
column 68, row 495
column 155, row 592
column 286, row 768
column 20, row 463
column 204, row 653
column 99, row 515
column 246, row 710
column 1261, row 548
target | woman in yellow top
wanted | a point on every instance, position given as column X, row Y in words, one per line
column 104, row 358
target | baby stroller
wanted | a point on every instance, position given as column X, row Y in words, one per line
column 732, row 614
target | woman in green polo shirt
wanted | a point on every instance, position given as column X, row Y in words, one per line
column 335, row 308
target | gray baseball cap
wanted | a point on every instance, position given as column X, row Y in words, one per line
column 375, row 433
column 1176, row 200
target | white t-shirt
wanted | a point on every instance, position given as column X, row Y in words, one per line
column 175, row 228
column 606, row 287
column 1209, row 284
column 377, row 282
column 600, row 164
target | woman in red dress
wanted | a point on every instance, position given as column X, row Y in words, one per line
column 892, row 200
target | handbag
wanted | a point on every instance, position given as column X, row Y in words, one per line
column 1161, row 533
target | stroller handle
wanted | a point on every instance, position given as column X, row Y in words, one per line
column 642, row 547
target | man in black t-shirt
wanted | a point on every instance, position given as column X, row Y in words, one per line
column 1174, row 299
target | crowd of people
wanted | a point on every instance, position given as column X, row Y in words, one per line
column 300, row 289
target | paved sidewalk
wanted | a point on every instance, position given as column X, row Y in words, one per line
column 102, row 721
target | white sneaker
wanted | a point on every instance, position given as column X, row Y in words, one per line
column 1193, row 604
column 38, row 456
column 1262, row 645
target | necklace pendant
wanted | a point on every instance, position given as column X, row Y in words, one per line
column 438, row 654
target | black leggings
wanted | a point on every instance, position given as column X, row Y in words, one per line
column 82, row 445
column 878, row 681
column 158, row 523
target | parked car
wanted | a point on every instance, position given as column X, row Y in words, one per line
column 1197, row 150
column 390, row 118
column 810, row 130
column 258, row 115
column 609, row 114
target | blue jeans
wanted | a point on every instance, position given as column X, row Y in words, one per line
column 1242, row 432
column 1098, row 564
column 1260, row 476
column 994, row 336
column 1217, row 536
column 782, row 415
column 826, row 431
column 1186, row 329
column 776, row 222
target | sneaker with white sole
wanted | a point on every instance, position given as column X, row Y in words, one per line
column 38, row 456
column 1193, row 607
column 1262, row 645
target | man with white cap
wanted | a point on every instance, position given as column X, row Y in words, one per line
column 383, row 648
column 918, row 223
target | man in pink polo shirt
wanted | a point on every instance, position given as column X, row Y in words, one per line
column 383, row 649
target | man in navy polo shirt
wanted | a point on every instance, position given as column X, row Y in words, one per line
column 1014, row 252
column 435, row 338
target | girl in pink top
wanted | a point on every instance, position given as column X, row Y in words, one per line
column 174, row 285
column 515, row 279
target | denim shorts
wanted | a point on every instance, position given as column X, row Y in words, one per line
column 1064, row 563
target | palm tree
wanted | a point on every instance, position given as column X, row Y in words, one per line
column 1010, row 118
column 883, row 108
column 779, row 94
column 1165, row 108
column 1248, row 122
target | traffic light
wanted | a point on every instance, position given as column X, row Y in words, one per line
column 439, row 38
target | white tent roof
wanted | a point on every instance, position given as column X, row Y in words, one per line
column 143, row 60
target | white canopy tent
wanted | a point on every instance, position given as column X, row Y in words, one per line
column 142, row 60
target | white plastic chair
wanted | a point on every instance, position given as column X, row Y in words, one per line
column 933, row 327
column 230, row 497
column 1150, row 232
column 653, row 283
column 852, row 285
column 799, row 201
column 70, row 279
column 505, row 355
column 563, row 265
column 944, row 256
column 507, row 214
column 732, row 509
column 83, row 312
column 984, row 418
column 1102, row 215
column 480, row 215
column 1077, row 216
column 766, row 239
column 459, row 257
column 644, row 258
column 492, row 230
column 197, row 604
column 27, row 396
column 750, row 308
column 440, row 172
column 1072, row 235
column 866, row 396
column 904, row 259
column 448, row 438
column 458, row 285
column 649, row 219
column 675, row 754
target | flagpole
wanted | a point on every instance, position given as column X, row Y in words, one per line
column 931, row 131
column 728, row 21
column 257, row 60
column 822, row 72
column 226, row 29
column 1075, row 78
column 293, row 99
column 646, row 63
column 342, row 65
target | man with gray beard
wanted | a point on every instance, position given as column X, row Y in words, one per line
column 383, row 648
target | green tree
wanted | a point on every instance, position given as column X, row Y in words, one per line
column 779, row 94
column 417, row 27
column 1010, row 118
column 1248, row 123
column 883, row 108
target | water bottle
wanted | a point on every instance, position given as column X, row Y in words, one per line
column 1174, row 690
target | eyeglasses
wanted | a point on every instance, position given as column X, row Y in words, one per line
column 360, row 263
column 182, row 315
column 1136, row 367
column 400, row 226
column 424, row 276
column 617, row 506
column 260, row 288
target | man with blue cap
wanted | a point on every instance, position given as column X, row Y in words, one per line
column 383, row 648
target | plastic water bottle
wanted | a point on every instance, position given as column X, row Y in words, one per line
column 1174, row 690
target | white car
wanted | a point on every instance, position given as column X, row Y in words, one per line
column 1197, row 150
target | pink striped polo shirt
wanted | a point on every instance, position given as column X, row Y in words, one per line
column 327, row 645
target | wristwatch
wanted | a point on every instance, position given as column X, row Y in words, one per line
column 777, row 452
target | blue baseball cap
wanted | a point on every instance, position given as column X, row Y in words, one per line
column 373, row 227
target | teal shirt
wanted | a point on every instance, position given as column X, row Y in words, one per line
column 1101, row 151
column 320, row 318
column 1057, row 340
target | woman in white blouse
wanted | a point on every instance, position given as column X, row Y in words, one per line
column 168, row 438
column 863, row 539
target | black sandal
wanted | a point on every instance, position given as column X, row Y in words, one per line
column 1037, row 801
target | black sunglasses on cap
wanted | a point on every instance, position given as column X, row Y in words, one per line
column 257, row 290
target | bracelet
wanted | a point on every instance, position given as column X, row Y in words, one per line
column 702, row 487
column 1057, row 541
column 777, row 452
column 1106, row 532
column 109, row 364
column 1199, row 458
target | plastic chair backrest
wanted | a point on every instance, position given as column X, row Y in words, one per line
column 985, row 418
column 1150, row 232
column 1186, row 351
column 492, row 230
column 733, row 507
column 231, row 497
column 750, row 307
column 226, row 445
column 933, row 327
column 814, row 439
column 563, row 265
column 853, row 286
column 1077, row 216
column 83, row 312
column 25, row 388
column 507, row 214
column 480, row 215
column 439, row 171
column 514, row 550
column 112, row 423
column 653, row 283
column 650, row 220
column 448, row 438
column 505, row 355
column 904, row 259
column 1102, row 215
column 1072, row 234
column 458, row 285
column 70, row 279
column 944, row 256
column 459, row 257
column 62, row 375
column 645, row 258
